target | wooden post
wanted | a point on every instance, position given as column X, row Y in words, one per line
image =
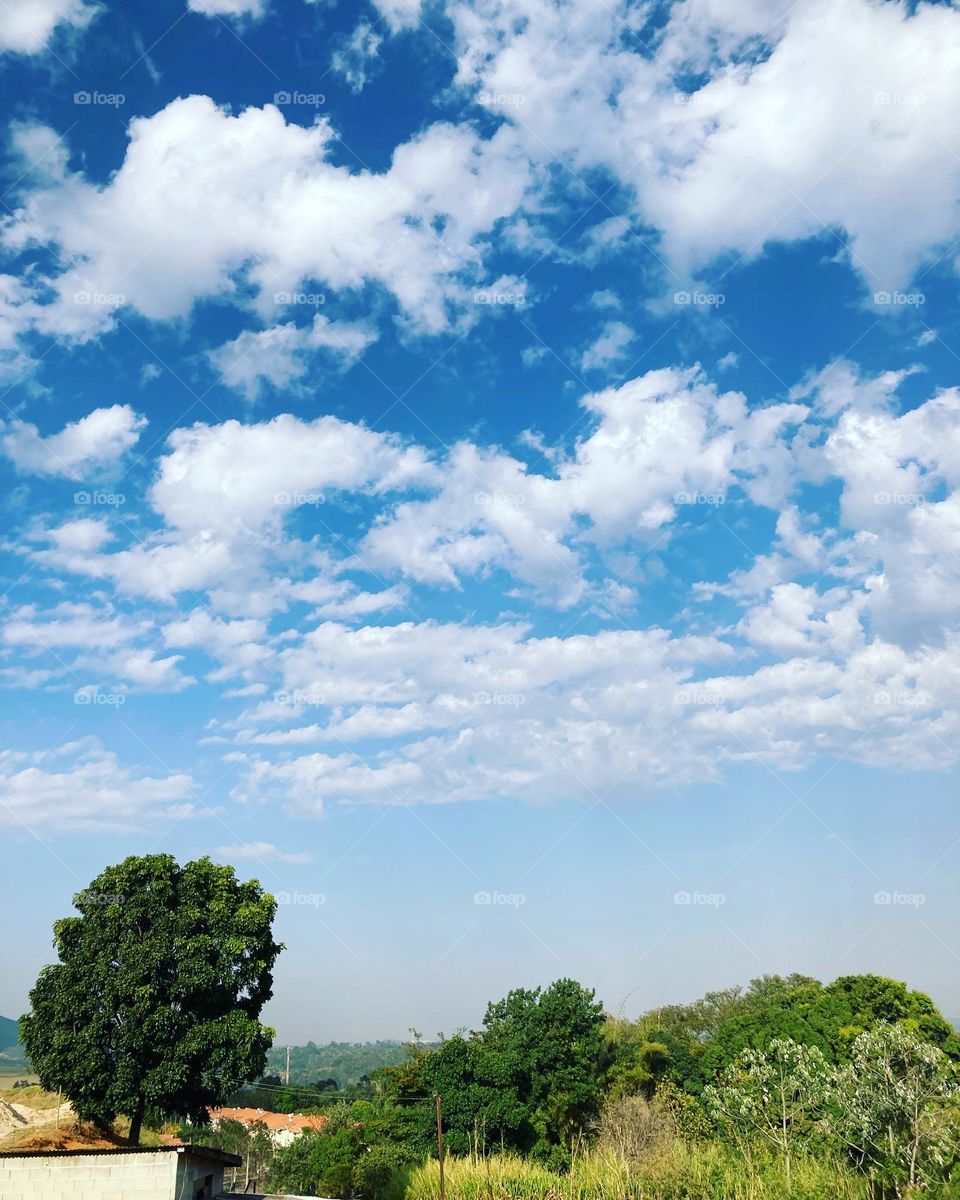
column 443, row 1192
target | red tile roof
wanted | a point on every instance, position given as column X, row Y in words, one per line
column 273, row 1120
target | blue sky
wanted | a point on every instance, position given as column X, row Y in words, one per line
column 489, row 470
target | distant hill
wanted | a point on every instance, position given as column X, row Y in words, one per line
column 346, row 1062
column 9, row 1034
column 12, row 1054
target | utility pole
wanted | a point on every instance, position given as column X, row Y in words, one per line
column 287, row 1077
column 443, row 1192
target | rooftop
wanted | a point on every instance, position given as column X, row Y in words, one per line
column 208, row 1152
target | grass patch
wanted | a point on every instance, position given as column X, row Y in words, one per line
column 677, row 1172
column 34, row 1096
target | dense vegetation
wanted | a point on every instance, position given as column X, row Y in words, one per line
column 347, row 1064
column 154, row 1000
column 787, row 1088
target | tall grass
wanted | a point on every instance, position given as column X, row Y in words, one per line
column 678, row 1171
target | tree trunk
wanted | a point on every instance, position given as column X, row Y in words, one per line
column 136, row 1121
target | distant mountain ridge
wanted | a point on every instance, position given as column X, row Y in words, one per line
column 9, row 1033
column 12, row 1053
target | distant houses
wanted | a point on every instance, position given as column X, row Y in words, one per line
column 283, row 1128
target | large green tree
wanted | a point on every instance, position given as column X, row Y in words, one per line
column 895, row 1105
column 155, row 999
column 829, row 1018
column 529, row 1080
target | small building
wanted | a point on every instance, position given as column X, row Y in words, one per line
column 127, row 1173
column 283, row 1128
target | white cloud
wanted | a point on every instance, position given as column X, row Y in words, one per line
column 96, row 441
column 203, row 199
column 262, row 852
column 91, row 647
column 609, row 347
column 473, row 713
column 605, row 299
column 851, row 100
column 399, row 14
column 281, row 355
column 26, row 26
column 355, row 56
column 228, row 8
column 81, row 787
column 234, row 477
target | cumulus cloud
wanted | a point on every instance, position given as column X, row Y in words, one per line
column 837, row 634
column 609, row 347
column 26, row 26
column 228, row 8
column 92, row 648
column 281, row 355
column 807, row 113
column 81, row 787
column 96, row 441
column 473, row 713
column 204, row 199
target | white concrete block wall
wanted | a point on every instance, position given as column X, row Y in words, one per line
column 160, row 1175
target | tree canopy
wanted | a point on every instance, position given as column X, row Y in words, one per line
column 155, row 999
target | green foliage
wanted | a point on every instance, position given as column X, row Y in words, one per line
column 318, row 1164
column 252, row 1142
column 677, row 1171
column 896, row 1107
column 364, row 1151
column 529, row 1080
column 775, row 1096
column 348, row 1063
column 155, row 998
column 829, row 1018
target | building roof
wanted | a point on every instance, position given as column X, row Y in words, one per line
column 209, row 1152
column 275, row 1122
